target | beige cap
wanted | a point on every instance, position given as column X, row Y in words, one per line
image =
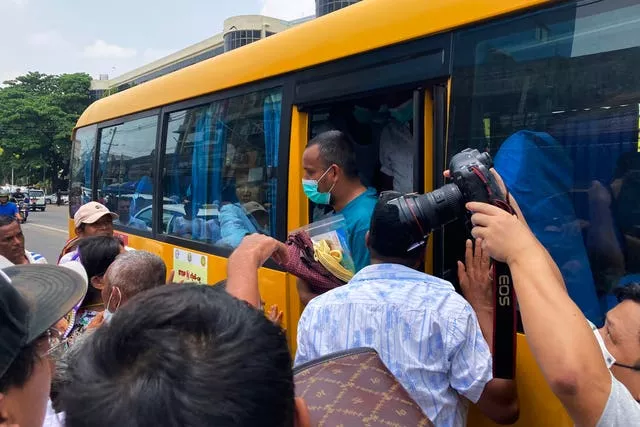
column 252, row 207
column 91, row 212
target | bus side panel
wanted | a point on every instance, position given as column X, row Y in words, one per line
column 297, row 212
column 273, row 284
column 538, row 405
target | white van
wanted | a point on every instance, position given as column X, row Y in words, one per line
column 37, row 200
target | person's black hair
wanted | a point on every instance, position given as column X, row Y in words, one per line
column 20, row 369
column 7, row 220
column 388, row 237
column 97, row 253
column 630, row 292
column 336, row 148
column 182, row 355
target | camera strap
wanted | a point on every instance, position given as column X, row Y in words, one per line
column 505, row 317
column 504, row 322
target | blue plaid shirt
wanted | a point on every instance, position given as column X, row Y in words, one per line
column 426, row 334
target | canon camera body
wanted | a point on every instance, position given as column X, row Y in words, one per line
column 472, row 182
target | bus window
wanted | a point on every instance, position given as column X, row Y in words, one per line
column 381, row 128
column 82, row 154
column 127, row 154
column 554, row 96
column 221, row 164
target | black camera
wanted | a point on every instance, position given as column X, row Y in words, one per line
column 472, row 181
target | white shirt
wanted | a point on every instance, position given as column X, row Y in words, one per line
column 133, row 223
column 621, row 409
column 51, row 418
column 397, row 154
column 426, row 334
column 35, row 258
column 73, row 255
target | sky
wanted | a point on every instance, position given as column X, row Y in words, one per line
column 115, row 36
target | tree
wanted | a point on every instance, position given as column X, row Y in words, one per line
column 37, row 114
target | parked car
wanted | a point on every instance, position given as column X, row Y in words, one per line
column 37, row 200
column 50, row 198
column 171, row 211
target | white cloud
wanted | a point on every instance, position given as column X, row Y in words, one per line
column 288, row 9
column 18, row 3
column 9, row 75
column 103, row 50
column 48, row 39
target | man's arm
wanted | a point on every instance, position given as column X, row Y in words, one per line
column 304, row 291
column 244, row 262
column 499, row 399
column 560, row 338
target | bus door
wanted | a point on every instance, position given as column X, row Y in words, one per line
column 384, row 101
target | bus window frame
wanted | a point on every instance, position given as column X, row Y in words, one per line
column 94, row 161
column 95, row 179
column 441, row 110
column 286, row 86
column 376, row 70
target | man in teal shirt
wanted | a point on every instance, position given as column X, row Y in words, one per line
column 331, row 178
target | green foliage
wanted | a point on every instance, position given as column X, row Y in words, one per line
column 37, row 114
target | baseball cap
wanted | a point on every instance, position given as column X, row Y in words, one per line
column 33, row 298
column 252, row 207
column 91, row 212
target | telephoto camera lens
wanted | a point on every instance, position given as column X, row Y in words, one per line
column 432, row 210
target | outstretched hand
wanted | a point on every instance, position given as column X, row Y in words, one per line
column 275, row 315
column 475, row 276
column 261, row 248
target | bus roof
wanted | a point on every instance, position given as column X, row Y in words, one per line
column 366, row 25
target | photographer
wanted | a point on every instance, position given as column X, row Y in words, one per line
column 593, row 372
column 426, row 334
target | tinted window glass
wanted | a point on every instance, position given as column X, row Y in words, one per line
column 127, row 153
column 220, row 169
column 554, row 96
column 82, row 154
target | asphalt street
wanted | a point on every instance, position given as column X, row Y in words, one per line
column 46, row 232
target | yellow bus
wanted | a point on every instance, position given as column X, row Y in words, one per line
column 550, row 88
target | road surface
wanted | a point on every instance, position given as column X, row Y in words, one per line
column 46, row 232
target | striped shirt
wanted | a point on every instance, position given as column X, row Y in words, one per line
column 35, row 258
column 426, row 334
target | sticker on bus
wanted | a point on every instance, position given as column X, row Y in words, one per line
column 189, row 266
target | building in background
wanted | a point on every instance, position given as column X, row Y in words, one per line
column 324, row 7
column 238, row 31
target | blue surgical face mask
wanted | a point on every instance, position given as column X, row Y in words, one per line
column 403, row 113
column 310, row 188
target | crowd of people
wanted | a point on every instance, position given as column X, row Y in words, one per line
column 105, row 338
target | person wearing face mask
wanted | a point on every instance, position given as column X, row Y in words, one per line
column 331, row 178
column 594, row 372
column 128, row 275
column 96, row 254
column 131, row 273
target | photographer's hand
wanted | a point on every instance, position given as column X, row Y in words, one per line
column 506, row 237
column 244, row 262
column 503, row 235
column 477, row 286
column 504, row 189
